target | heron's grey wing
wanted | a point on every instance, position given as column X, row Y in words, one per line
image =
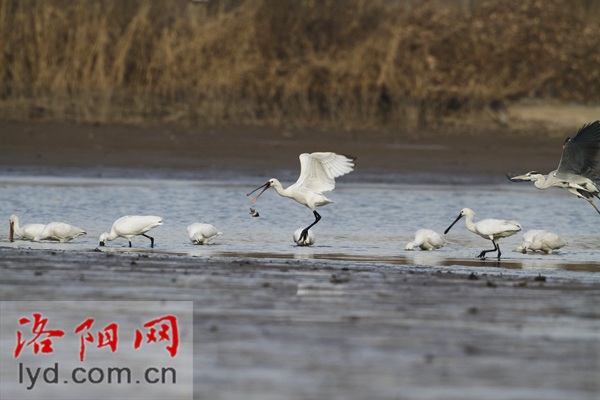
column 580, row 153
column 319, row 170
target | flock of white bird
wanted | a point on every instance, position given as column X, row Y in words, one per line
column 576, row 173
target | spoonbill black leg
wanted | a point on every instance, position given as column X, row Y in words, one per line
column 304, row 233
column 151, row 239
column 496, row 248
column 129, row 243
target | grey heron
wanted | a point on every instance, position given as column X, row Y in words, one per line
column 317, row 175
column 492, row 229
column 576, row 169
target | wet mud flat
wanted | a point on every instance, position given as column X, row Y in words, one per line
column 296, row 329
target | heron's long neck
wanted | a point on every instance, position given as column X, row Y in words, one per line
column 542, row 182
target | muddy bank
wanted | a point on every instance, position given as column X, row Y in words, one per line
column 316, row 329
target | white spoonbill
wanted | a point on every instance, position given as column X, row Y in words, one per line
column 541, row 240
column 130, row 226
column 426, row 239
column 492, row 229
column 317, row 175
column 576, row 169
column 309, row 240
column 59, row 231
column 25, row 232
column 201, row 233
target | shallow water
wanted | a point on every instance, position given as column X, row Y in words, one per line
column 367, row 222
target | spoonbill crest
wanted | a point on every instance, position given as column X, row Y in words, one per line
column 317, row 176
column 25, row 232
column 541, row 240
column 130, row 226
column 59, row 231
column 201, row 233
column 492, row 229
column 576, row 169
column 309, row 240
column 426, row 239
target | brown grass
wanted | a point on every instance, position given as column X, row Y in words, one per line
column 344, row 63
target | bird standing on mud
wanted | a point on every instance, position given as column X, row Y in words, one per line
column 317, row 176
column 492, row 229
column 576, row 169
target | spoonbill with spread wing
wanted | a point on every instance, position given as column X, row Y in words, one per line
column 317, row 175
column 576, row 169
column 492, row 229
column 131, row 226
column 25, row 232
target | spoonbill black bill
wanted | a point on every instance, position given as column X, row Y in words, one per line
column 25, row 232
column 541, row 240
column 426, row 239
column 576, row 169
column 60, row 232
column 492, row 229
column 201, row 233
column 309, row 240
column 317, row 176
column 131, row 226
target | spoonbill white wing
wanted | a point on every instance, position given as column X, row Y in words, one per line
column 580, row 153
column 319, row 170
column 201, row 233
column 59, row 231
column 134, row 225
column 493, row 228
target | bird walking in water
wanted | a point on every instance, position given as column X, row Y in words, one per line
column 426, row 239
column 576, row 169
column 201, row 233
column 25, row 232
column 317, row 176
column 60, row 232
column 131, row 226
column 492, row 229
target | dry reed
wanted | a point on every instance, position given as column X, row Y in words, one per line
column 342, row 63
